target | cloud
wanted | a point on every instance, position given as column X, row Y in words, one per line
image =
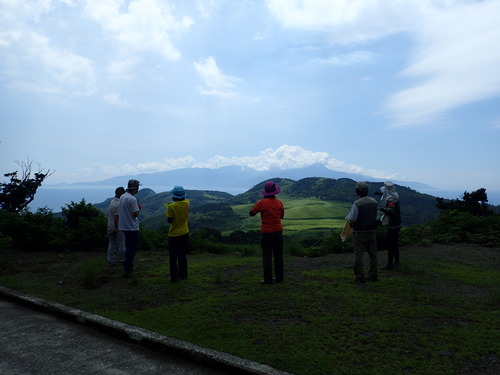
column 207, row 7
column 453, row 61
column 122, row 69
column 282, row 158
column 114, row 98
column 289, row 157
column 346, row 21
column 31, row 59
column 45, row 68
column 144, row 26
column 457, row 57
column 98, row 172
column 351, row 58
column 217, row 83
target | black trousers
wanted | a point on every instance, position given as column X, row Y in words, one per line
column 272, row 246
column 131, row 248
column 392, row 246
column 177, row 253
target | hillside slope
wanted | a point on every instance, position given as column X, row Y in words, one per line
column 226, row 212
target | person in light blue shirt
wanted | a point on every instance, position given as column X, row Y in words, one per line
column 128, row 223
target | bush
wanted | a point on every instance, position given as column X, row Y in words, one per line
column 152, row 239
column 28, row 231
column 459, row 226
column 86, row 226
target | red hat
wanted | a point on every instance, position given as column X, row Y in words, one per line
column 270, row 189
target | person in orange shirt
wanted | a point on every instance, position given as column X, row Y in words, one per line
column 271, row 212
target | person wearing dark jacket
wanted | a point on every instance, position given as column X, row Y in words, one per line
column 363, row 219
column 389, row 205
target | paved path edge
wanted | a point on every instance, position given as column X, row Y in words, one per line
column 207, row 357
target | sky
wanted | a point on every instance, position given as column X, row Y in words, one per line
column 399, row 90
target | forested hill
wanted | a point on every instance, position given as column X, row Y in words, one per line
column 416, row 208
column 214, row 208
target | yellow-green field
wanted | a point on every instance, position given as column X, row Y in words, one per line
column 300, row 215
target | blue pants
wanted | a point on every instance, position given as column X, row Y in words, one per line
column 131, row 248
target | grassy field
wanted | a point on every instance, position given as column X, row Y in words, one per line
column 437, row 314
column 301, row 215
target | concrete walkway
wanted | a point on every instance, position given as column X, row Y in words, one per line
column 41, row 337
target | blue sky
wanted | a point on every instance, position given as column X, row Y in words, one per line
column 404, row 90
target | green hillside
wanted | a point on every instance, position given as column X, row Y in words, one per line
column 314, row 203
column 300, row 214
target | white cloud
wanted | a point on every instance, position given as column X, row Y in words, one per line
column 122, row 69
column 208, row 7
column 346, row 20
column 454, row 60
column 46, row 68
column 282, row 158
column 351, row 58
column 458, row 58
column 217, row 83
column 289, row 157
column 114, row 98
column 144, row 26
column 166, row 165
column 32, row 60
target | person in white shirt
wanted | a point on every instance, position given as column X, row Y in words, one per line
column 128, row 223
column 116, row 245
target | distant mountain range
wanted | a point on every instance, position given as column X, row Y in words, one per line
column 232, row 180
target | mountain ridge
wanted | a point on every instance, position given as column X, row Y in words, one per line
column 233, row 180
column 215, row 209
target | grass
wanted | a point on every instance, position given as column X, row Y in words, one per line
column 301, row 215
column 438, row 313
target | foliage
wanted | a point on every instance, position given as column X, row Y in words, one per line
column 152, row 239
column 459, row 226
column 473, row 203
column 20, row 191
column 75, row 213
column 38, row 231
column 86, row 226
column 455, row 226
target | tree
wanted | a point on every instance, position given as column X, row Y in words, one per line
column 20, row 191
column 474, row 203
column 86, row 226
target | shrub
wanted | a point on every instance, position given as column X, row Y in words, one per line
column 459, row 226
column 152, row 239
column 86, row 226
column 28, row 231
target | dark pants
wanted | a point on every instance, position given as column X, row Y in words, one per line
column 177, row 254
column 365, row 241
column 272, row 245
column 131, row 248
column 392, row 246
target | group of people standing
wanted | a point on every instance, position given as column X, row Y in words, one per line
column 362, row 218
column 123, row 230
column 123, row 227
